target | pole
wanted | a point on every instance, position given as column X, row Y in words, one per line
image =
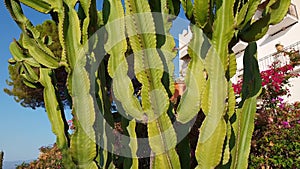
column 1, row 158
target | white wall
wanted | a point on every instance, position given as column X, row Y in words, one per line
column 288, row 37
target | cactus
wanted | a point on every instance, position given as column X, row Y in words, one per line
column 133, row 42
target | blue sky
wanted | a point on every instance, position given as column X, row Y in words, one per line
column 24, row 130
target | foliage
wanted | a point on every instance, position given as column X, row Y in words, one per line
column 275, row 83
column 94, row 47
column 276, row 139
column 294, row 56
column 275, row 142
column 50, row 157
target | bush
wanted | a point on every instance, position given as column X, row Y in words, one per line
column 50, row 158
column 276, row 139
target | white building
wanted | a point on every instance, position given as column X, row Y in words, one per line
column 286, row 33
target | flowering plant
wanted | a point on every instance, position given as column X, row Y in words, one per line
column 275, row 141
column 294, row 56
column 275, row 83
column 50, row 157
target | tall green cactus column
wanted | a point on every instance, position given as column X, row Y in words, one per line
column 1, row 159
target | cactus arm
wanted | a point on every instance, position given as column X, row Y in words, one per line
column 195, row 80
column 201, row 12
column 16, row 12
column 19, row 54
column 17, row 51
column 165, row 41
column 83, row 141
column 116, row 46
column 85, row 4
column 251, row 77
column 240, row 16
column 104, row 121
column 209, row 153
column 232, row 65
column 31, row 39
column 71, row 34
column 231, row 100
column 83, row 147
column 55, row 115
column 278, row 11
column 60, row 10
column 216, row 92
column 31, row 73
column 39, row 5
column 133, row 143
column 223, row 29
column 244, row 125
column 274, row 14
column 245, row 15
column 93, row 14
column 214, row 125
column 173, row 6
column 1, row 158
column 40, row 52
column 149, row 71
column 243, row 129
column 188, row 8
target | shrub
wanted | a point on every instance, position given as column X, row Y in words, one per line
column 50, row 157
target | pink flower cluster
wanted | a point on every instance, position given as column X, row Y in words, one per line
column 276, row 77
column 273, row 79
